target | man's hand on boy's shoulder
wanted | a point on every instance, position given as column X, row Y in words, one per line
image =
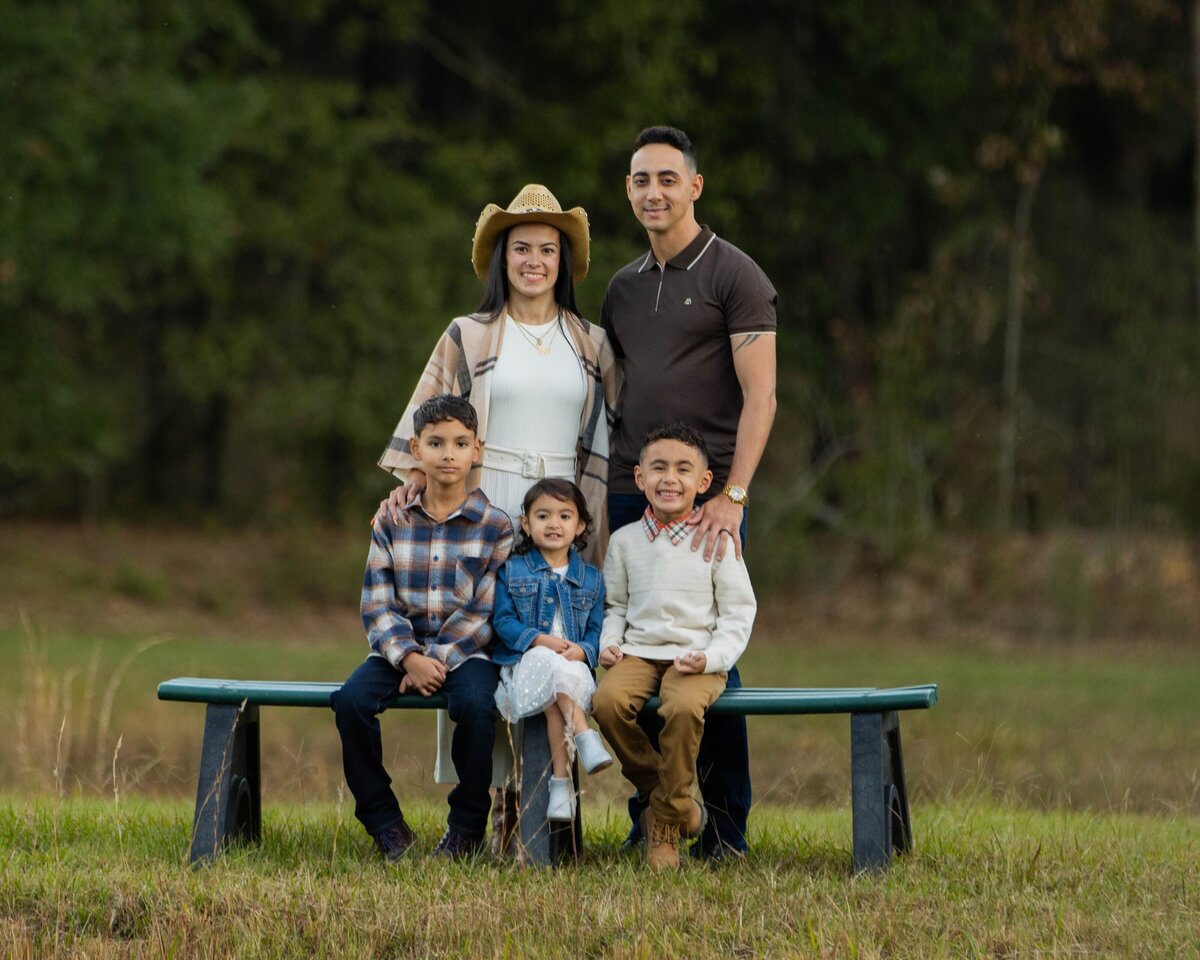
column 424, row 674
column 694, row 662
column 718, row 525
column 610, row 655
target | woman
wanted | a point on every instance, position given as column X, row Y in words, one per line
column 543, row 381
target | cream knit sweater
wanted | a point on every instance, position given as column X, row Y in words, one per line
column 665, row 600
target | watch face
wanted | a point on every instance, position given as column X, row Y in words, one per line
column 736, row 494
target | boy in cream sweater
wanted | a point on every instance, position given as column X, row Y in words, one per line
column 674, row 624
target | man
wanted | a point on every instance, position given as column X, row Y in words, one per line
column 693, row 324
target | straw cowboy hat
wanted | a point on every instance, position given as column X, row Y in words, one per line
column 534, row 204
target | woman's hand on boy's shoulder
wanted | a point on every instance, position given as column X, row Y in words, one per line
column 401, row 497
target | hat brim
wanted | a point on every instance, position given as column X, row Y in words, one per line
column 495, row 220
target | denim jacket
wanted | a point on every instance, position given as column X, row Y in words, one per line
column 527, row 592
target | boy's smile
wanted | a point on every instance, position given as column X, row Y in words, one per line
column 672, row 474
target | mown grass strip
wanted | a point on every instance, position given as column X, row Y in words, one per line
column 984, row 881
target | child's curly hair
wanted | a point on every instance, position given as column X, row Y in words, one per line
column 558, row 489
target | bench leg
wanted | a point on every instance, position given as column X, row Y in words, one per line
column 229, row 791
column 880, row 795
column 544, row 842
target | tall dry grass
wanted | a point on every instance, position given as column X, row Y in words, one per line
column 65, row 710
column 1049, row 705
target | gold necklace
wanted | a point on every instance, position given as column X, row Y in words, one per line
column 541, row 344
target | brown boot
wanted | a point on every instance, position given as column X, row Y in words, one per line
column 505, row 822
column 646, row 823
column 662, row 853
column 696, row 822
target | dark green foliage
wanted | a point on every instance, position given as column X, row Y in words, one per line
column 231, row 232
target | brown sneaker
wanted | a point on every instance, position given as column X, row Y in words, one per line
column 663, row 850
column 505, row 823
column 696, row 822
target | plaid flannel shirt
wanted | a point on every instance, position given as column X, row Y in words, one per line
column 429, row 586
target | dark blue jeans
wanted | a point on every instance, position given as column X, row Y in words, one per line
column 723, row 762
column 470, row 691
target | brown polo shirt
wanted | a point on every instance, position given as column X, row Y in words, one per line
column 671, row 327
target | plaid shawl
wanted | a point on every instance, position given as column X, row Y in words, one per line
column 462, row 364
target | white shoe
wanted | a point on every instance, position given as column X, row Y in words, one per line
column 562, row 802
column 591, row 752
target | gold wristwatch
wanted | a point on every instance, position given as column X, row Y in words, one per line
column 737, row 494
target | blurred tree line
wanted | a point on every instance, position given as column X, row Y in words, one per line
column 230, row 233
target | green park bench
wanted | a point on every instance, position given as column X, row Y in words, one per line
column 228, row 792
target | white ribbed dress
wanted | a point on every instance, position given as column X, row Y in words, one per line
column 535, row 404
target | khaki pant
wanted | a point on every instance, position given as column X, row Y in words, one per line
column 666, row 776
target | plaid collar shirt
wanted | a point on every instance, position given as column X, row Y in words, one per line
column 430, row 585
column 675, row 531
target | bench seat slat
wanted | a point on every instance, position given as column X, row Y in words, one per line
column 758, row 701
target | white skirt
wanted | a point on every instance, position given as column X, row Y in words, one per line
column 533, row 682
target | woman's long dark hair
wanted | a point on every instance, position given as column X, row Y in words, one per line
column 557, row 489
column 496, row 293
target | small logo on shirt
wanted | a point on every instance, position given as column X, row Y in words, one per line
column 687, row 302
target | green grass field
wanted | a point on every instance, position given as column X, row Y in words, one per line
column 1055, row 786
column 107, row 879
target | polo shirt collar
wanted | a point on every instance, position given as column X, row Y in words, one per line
column 686, row 258
column 676, row 531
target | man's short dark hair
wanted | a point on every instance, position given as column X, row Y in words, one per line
column 683, row 432
column 672, row 137
column 444, row 407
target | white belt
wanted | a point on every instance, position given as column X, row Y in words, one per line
column 529, row 463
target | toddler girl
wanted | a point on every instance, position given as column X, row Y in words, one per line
column 548, row 614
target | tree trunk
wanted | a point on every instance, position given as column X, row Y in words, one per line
column 155, row 445
column 1196, row 155
column 1014, row 320
column 213, row 435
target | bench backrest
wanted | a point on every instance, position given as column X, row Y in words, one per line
column 757, row 701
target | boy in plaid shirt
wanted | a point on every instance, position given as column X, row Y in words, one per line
column 426, row 602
